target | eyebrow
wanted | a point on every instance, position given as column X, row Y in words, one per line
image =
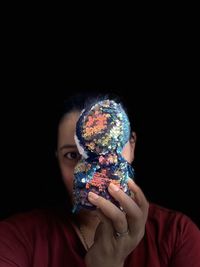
column 67, row 146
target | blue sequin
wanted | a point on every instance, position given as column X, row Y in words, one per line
column 102, row 131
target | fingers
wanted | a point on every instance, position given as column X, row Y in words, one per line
column 138, row 197
column 129, row 206
column 116, row 216
column 136, row 210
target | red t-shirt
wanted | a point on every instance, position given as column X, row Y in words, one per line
column 47, row 239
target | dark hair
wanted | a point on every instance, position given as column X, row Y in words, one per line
column 79, row 101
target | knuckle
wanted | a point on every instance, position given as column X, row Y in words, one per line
column 120, row 222
column 101, row 201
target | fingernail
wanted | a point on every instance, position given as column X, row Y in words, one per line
column 113, row 187
column 92, row 196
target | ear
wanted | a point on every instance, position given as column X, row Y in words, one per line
column 129, row 149
column 132, row 142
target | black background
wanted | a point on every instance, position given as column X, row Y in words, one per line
column 159, row 81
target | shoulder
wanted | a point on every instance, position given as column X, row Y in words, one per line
column 22, row 221
column 28, row 220
column 29, row 226
column 29, row 236
column 36, row 218
column 159, row 214
column 163, row 218
column 175, row 234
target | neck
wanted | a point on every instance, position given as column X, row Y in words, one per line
column 87, row 218
column 85, row 224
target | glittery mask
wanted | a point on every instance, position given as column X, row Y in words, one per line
column 101, row 134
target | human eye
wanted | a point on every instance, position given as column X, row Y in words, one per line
column 72, row 155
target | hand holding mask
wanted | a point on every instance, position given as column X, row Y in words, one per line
column 102, row 131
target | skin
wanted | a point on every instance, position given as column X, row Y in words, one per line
column 101, row 225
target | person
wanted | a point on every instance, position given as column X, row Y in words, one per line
column 140, row 234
